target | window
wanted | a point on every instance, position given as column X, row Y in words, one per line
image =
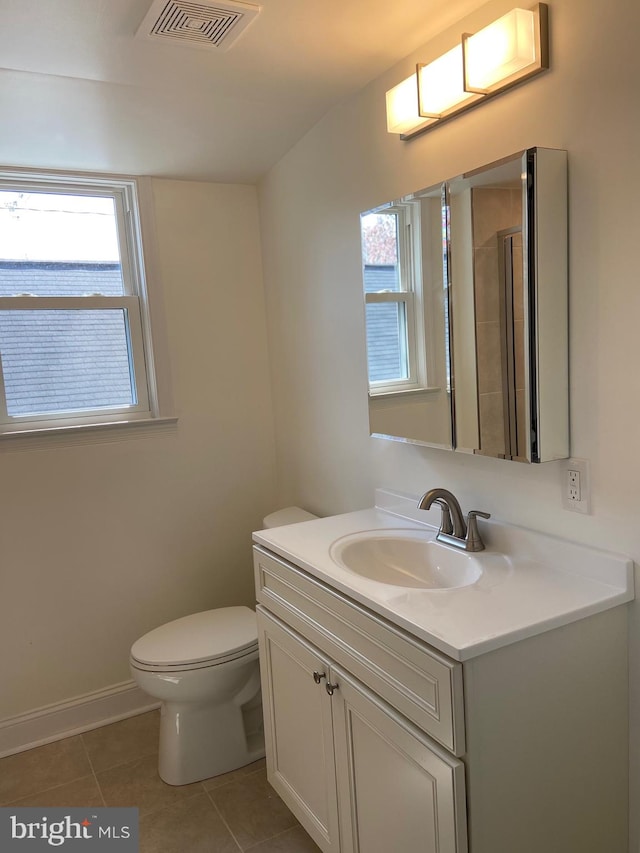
column 74, row 341
column 393, row 304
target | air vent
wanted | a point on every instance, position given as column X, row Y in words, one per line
column 208, row 25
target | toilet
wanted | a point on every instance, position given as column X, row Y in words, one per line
column 204, row 669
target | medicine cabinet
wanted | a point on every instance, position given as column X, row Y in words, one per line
column 467, row 311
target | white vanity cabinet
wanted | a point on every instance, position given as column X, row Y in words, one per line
column 378, row 743
column 298, row 724
column 358, row 777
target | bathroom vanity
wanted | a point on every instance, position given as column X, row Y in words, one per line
column 483, row 713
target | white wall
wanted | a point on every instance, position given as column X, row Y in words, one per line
column 348, row 163
column 103, row 540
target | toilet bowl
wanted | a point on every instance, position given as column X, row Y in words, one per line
column 204, row 669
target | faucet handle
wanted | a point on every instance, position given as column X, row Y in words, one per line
column 473, row 538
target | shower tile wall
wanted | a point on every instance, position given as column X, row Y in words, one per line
column 494, row 210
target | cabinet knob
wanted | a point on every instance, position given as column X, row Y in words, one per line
column 330, row 688
column 318, row 676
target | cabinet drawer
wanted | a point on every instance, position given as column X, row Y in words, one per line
column 421, row 684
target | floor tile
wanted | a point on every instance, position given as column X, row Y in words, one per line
column 138, row 784
column 252, row 809
column 293, row 840
column 191, row 827
column 42, row 768
column 234, row 775
column 123, row 742
column 81, row 793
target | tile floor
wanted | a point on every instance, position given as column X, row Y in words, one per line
column 117, row 766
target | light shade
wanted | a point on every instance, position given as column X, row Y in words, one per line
column 505, row 51
column 441, row 85
column 402, row 107
column 502, row 54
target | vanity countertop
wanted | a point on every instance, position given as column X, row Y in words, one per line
column 532, row 582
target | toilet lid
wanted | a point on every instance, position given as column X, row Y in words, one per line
column 220, row 633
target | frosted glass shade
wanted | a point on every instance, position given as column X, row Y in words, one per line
column 502, row 52
column 441, row 85
column 402, row 107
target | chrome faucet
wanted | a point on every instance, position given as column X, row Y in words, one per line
column 454, row 530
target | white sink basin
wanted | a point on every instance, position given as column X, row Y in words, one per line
column 407, row 558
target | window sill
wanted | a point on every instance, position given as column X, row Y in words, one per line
column 408, row 392
column 99, row 433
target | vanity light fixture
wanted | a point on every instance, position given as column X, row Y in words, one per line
column 505, row 52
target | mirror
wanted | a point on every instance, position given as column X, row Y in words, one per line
column 407, row 319
column 479, row 267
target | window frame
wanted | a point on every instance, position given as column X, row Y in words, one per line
column 134, row 301
column 409, row 295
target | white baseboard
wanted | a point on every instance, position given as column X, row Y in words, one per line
column 72, row 717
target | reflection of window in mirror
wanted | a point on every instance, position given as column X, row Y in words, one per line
column 404, row 248
column 393, row 297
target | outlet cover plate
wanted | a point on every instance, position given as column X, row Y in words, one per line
column 584, row 504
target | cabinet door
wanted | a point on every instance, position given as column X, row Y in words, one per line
column 397, row 790
column 298, row 729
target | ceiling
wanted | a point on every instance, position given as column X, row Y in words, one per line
column 78, row 90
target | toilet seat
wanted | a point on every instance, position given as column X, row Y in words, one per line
column 210, row 638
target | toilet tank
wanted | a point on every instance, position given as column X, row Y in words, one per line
column 289, row 515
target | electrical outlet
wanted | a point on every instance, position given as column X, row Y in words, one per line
column 575, row 486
